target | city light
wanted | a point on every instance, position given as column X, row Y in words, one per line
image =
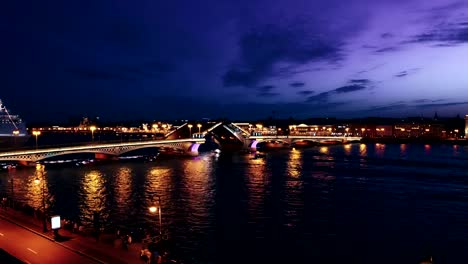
column 92, row 128
column 36, row 134
column 190, row 129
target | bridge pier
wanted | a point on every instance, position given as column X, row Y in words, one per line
column 193, row 149
column 250, row 144
column 26, row 163
column 103, row 156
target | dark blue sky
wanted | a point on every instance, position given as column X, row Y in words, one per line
column 237, row 59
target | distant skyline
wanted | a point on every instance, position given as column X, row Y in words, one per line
column 237, row 59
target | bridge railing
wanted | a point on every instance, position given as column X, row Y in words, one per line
column 76, row 144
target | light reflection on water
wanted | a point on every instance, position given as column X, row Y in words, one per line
column 300, row 204
column 93, row 198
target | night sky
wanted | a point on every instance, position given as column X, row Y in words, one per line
column 240, row 59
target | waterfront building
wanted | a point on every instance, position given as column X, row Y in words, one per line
column 466, row 127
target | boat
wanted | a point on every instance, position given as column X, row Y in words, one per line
column 13, row 131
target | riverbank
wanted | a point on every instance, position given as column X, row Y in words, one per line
column 462, row 142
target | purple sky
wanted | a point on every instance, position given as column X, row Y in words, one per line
column 235, row 59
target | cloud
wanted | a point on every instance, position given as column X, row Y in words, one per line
column 441, row 105
column 360, row 81
column 319, row 98
column 406, row 72
column 297, row 84
column 387, row 49
column 446, row 34
column 386, row 35
column 268, row 94
column 265, row 91
column 419, row 101
column 262, row 48
column 350, row 88
column 305, row 92
column 390, row 107
column 354, row 85
column 266, row 88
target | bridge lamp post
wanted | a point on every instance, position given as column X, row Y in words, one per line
column 92, row 128
column 36, row 134
column 15, row 134
column 190, row 129
column 347, row 129
column 12, row 188
column 37, row 181
column 199, row 128
column 157, row 209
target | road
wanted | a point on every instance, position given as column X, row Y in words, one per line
column 32, row 248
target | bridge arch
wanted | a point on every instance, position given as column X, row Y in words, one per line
column 187, row 146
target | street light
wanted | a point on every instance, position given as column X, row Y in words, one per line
column 12, row 198
column 92, row 128
column 157, row 209
column 36, row 133
column 199, row 128
column 37, row 181
column 15, row 134
column 190, row 129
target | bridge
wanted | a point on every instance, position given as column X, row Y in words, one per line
column 247, row 137
column 293, row 139
column 105, row 151
column 186, row 139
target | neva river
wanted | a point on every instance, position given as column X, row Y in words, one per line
column 360, row 203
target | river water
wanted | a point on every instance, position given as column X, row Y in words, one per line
column 358, row 203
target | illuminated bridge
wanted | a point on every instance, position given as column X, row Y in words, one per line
column 292, row 139
column 229, row 134
column 105, row 151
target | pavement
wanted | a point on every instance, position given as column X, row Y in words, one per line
column 21, row 235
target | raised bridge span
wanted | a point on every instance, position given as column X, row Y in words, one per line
column 188, row 146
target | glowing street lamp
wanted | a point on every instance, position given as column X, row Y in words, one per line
column 15, row 134
column 92, row 128
column 40, row 171
column 36, row 134
column 199, row 128
column 157, row 209
column 190, row 129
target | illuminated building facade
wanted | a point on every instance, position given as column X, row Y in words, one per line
column 466, row 127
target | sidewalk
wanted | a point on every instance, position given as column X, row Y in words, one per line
column 107, row 250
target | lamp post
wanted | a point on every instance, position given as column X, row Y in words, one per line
column 190, row 129
column 92, row 128
column 36, row 134
column 199, row 128
column 37, row 181
column 15, row 134
column 157, row 209
column 12, row 198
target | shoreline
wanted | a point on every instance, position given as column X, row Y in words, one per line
column 462, row 142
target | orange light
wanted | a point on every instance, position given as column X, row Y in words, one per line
column 153, row 209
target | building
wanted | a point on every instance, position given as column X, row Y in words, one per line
column 466, row 127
